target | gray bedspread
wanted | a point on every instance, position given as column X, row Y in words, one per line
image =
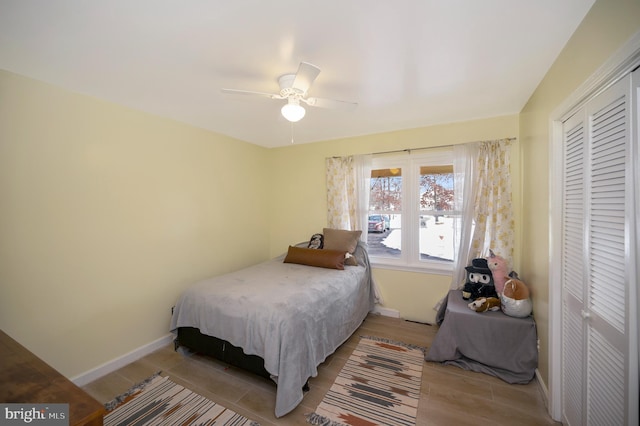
column 293, row 316
column 487, row 342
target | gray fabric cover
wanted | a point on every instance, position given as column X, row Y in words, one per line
column 487, row 342
column 293, row 316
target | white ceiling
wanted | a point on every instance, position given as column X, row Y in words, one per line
column 408, row 63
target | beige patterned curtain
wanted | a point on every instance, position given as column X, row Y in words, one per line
column 348, row 192
column 483, row 194
column 494, row 227
column 341, row 189
column 348, row 180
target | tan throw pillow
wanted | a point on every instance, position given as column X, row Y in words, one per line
column 331, row 259
column 341, row 239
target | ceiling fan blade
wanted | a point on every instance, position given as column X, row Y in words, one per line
column 331, row 103
column 305, row 76
column 250, row 92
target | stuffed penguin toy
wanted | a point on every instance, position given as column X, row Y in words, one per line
column 479, row 282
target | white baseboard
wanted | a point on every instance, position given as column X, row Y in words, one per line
column 111, row 366
column 387, row 312
column 543, row 390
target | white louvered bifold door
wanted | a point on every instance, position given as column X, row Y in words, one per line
column 607, row 281
column 597, row 250
column 573, row 269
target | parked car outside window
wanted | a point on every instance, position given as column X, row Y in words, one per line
column 378, row 223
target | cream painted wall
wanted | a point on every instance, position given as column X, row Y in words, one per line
column 106, row 214
column 606, row 27
column 298, row 200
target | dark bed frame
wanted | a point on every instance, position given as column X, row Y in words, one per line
column 192, row 339
column 222, row 350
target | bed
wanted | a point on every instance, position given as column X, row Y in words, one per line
column 276, row 318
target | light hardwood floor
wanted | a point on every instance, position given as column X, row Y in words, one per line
column 449, row 395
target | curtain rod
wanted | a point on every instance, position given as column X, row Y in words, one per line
column 411, row 149
column 428, row 147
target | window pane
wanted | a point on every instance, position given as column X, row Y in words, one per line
column 436, row 188
column 437, row 237
column 436, row 228
column 385, row 243
column 386, row 190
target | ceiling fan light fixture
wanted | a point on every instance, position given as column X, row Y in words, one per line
column 293, row 111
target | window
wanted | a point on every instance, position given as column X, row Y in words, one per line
column 412, row 220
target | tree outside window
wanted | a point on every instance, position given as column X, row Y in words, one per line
column 436, row 210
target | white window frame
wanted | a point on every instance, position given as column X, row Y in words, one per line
column 410, row 256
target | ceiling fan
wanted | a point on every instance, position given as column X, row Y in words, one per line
column 294, row 89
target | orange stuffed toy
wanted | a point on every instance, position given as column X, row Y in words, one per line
column 515, row 299
column 484, row 304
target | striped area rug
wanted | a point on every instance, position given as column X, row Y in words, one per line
column 159, row 401
column 379, row 385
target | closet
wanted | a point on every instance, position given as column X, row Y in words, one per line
column 599, row 257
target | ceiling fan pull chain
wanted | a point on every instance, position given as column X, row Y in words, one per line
column 291, row 132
